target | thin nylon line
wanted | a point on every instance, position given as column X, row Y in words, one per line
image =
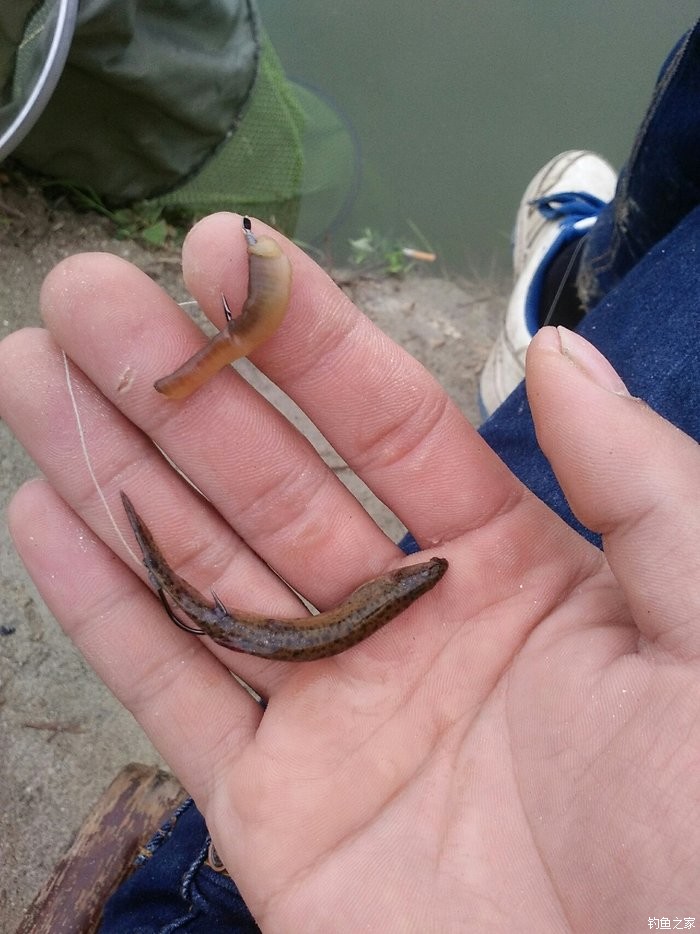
column 88, row 463
column 258, row 698
column 560, row 289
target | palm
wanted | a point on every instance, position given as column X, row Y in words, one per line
column 489, row 766
column 515, row 748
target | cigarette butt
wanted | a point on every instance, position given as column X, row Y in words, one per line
column 419, row 254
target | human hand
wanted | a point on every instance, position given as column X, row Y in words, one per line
column 518, row 749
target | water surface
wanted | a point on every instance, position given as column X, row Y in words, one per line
column 456, row 104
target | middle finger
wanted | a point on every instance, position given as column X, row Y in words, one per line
column 258, row 471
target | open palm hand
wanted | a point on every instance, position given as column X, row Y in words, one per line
column 519, row 749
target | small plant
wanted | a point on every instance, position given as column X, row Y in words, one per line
column 374, row 251
column 142, row 221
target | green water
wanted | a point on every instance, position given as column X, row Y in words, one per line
column 456, row 104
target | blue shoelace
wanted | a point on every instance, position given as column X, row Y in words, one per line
column 573, row 206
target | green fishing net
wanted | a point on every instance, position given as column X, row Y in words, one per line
column 184, row 105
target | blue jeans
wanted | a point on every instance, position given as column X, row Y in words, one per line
column 641, row 279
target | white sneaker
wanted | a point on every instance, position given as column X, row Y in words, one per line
column 559, row 205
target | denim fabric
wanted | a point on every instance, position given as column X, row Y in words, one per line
column 173, row 888
column 642, row 264
column 660, row 182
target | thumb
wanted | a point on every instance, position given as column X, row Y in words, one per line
column 627, row 474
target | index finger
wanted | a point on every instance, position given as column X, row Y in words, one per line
column 380, row 409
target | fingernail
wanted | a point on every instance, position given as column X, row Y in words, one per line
column 590, row 361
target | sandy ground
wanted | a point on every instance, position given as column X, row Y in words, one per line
column 63, row 737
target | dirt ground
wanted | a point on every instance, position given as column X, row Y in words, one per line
column 63, row 737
